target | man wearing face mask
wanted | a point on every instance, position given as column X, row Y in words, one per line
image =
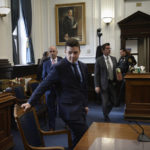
column 71, row 76
column 50, row 94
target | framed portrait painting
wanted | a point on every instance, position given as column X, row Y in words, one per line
column 70, row 22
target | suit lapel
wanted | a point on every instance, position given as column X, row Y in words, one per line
column 113, row 62
column 104, row 63
column 82, row 71
column 58, row 59
column 49, row 63
column 114, row 65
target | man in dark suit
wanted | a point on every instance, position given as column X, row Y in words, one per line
column 50, row 94
column 71, row 89
column 105, row 80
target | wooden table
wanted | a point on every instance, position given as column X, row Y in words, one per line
column 6, row 139
column 110, row 130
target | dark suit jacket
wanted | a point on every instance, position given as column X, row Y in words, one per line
column 72, row 95
column 46, row 67
column 68, row 27
column 101, row 73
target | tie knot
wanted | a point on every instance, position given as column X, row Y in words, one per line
column 74, row 65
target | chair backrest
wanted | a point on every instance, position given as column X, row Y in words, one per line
column 28, row 126
column 19, row 92
column 34, row 85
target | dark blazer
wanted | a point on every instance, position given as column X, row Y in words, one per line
column 46, row 67
column 101, row 73
column 72, row 95
column 68, row 26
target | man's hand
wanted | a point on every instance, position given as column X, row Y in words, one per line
column 26, row 106
column 75, row 26
column 86, row 109
column 97, row 90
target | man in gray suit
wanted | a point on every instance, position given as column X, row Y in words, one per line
column 105, row 80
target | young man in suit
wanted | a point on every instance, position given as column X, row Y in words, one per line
column 50, row 94
column 105, row 80
column 71, row 89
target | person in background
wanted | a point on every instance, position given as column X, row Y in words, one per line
column 45, row 57
column 123, row 63
column 131, row 60
column 40, row 67
column 70, row 79
column 50, row 94
column 123, row 68
column 105, row 80
column 126, row 64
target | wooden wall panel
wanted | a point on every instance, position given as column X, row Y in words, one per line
column 137, row 96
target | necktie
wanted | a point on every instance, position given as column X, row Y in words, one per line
column 53, row 61
column 110, row 71
column 76, row 72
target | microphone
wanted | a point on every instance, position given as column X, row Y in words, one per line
column 142, row 136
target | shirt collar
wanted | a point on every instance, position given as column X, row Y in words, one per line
column 54, row 59
column 106, row 56
column 77, row 62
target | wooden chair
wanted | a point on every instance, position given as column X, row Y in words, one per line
column 31, row 134
column 32, row 85
column 41, row 107
column 16, row 90
column 20, row 94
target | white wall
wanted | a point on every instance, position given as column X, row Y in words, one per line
column 130, row 6
column 43, row 27
column 6, row 39
column 44, row 18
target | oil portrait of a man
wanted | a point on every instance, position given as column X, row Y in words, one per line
column 70, row 22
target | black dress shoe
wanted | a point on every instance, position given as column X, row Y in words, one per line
column 106, row 119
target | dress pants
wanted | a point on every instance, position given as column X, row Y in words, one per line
column 52, row 107
column 77, row 130
column 108, row 98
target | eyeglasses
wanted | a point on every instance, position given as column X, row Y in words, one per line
column 52, row 51
column 75, row 52
column 108, row 48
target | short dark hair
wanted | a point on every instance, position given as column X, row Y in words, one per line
column 122, row 49
column 104, row 45
column 72, row 42
column 45, row 53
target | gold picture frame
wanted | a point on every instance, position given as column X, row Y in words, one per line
column 70, row 22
